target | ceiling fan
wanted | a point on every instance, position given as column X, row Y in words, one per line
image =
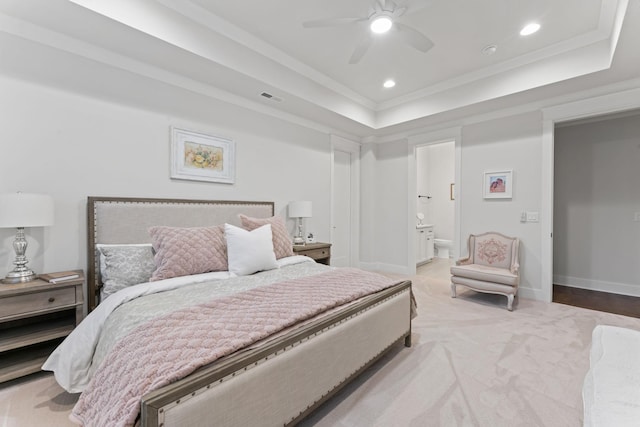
column 383, row 16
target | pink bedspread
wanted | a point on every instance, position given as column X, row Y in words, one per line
column 171, row 347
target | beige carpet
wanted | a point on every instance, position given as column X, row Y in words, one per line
column 472, row 363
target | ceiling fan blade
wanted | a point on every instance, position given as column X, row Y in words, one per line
column 398, row 12
column 413, row 37
column 412, row 6
column 331, row 22
column 361, row 49
column 386, row 5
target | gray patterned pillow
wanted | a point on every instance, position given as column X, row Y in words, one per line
column 125, row 265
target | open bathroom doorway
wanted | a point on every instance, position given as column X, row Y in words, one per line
column 435, row 212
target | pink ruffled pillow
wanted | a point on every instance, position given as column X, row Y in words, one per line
column 282, row 244
column 185, row 251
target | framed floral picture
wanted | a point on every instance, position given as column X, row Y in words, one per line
column 200, row 157
column 498, row 184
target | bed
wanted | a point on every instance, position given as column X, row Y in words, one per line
column 610, row 392
column 277, row 380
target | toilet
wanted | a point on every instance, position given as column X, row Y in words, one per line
column 443, row 248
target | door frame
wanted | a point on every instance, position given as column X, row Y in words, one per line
column 445, row 135
column 353, row 148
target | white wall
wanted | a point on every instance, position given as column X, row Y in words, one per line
column 596, row 196
column 384, row 200
column 368, row 217
column 72, row 146
column 509, row 143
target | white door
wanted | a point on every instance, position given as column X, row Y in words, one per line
column 341, row 233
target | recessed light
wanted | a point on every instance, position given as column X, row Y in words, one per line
column 381, row 24
column 490, row 50
column 529, row 29
column 389, row 84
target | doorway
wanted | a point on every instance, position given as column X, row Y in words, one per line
column 435, row 185
column 621, row 101
column 596, row 223
column 345, row 201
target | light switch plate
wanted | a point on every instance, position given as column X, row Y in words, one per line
column 636, row 216
column 533, row 216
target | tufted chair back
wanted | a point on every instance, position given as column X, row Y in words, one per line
column 494, row 250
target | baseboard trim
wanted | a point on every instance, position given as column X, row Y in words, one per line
column 597, row 285
column 534, row 294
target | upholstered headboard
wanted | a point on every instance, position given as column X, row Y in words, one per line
column 120, row 220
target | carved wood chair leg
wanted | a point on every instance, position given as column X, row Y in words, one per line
column 453, row 290
column 510, row 302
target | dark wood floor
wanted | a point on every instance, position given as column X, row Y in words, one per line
column 601, row 301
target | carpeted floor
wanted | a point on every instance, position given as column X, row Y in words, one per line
column 472, row 363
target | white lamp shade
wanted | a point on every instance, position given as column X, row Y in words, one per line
column 25, row 210
column 300, row 209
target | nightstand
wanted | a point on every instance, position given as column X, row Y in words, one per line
column 321, row 252
column 34, row 318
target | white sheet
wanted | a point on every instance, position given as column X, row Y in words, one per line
column 611, row 391
column 71, row 361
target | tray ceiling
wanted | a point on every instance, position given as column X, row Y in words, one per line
column 249, row 47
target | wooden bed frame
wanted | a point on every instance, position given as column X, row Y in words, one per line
column 279, row 382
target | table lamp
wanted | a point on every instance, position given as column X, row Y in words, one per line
column 20, row 210
column 299, row 210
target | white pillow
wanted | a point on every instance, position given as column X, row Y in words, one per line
column 250, row 251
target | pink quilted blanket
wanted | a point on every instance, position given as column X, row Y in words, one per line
column 171, row 347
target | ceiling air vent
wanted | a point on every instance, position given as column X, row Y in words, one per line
column 271, row 97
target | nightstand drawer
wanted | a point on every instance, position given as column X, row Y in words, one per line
column 317, row 253
column 320, row 252
column 39, row 301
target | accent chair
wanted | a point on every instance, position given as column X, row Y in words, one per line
column 491, row 266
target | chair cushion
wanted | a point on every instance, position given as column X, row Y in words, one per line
column 482, row 286
column 493, row 250
column 486, row 274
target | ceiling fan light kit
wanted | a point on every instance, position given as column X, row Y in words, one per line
column 383, row 16
column 380, row 24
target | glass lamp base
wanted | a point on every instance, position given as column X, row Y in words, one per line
column 21, row 273
column 20, row 277
column 299, row 240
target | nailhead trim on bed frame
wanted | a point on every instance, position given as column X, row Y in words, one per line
column 161, row 411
